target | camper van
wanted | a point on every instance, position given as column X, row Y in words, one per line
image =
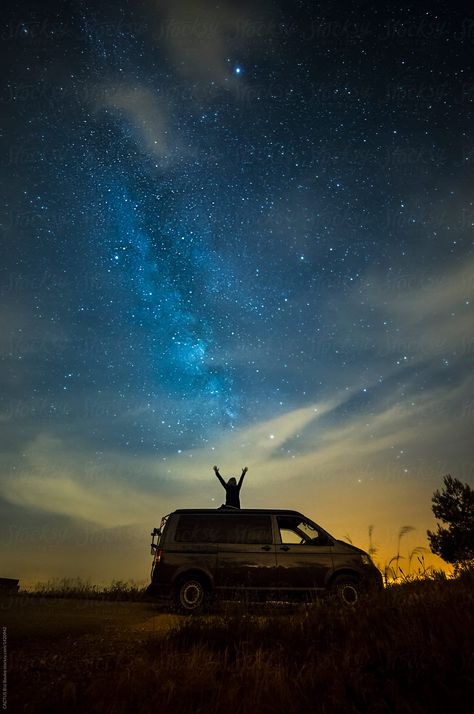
column 246, row 554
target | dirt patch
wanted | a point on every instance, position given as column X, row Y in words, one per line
column 49, row 618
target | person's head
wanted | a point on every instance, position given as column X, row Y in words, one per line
column 232, row 481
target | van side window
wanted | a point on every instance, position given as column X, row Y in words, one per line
column 252, row 530
column 288, row 535
column 294, row 530
column 224, row 529
column 193, row 529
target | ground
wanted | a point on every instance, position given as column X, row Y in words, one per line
column 53, row 643
column 407, row 649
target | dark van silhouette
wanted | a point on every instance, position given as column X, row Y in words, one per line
column 253, row 553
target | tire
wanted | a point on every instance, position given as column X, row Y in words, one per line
column 346, row 589
column 191, row 596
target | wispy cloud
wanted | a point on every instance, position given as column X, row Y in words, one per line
column 57, row 480
column 142, row 111
column 427, row 320
column 298, row 444
column 204, row 40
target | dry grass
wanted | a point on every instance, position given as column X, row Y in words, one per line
column 408, row 649
column 78, row 589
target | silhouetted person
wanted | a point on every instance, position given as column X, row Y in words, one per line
column 232, row 488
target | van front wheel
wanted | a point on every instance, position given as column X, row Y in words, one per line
column 346, row 589
column 191, row 596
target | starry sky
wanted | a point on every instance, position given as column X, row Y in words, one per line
column 236, row 233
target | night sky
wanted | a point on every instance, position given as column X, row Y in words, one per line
column 236, row 233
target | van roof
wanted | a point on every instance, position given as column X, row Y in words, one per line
column 227, row 511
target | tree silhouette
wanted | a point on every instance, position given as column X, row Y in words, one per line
column 454, row 506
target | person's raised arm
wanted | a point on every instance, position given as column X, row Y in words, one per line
column 216, row 471
column 244, row 471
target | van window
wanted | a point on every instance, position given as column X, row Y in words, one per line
column 295, row 530
column 248, row 529
column 195, row 529
column 287, row 535
column 224, row 529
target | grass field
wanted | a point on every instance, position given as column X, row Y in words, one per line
column 407, row 649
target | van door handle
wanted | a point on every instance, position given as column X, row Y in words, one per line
column 284, row 547
column 266, row 547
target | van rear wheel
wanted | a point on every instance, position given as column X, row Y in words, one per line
column 346, row 589
column 191, row 596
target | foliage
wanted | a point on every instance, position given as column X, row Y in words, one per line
column 454, row 506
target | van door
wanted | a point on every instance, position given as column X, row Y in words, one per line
column 246, row 558
column 303, row 553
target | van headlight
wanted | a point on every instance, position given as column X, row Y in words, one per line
column 366, row 559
